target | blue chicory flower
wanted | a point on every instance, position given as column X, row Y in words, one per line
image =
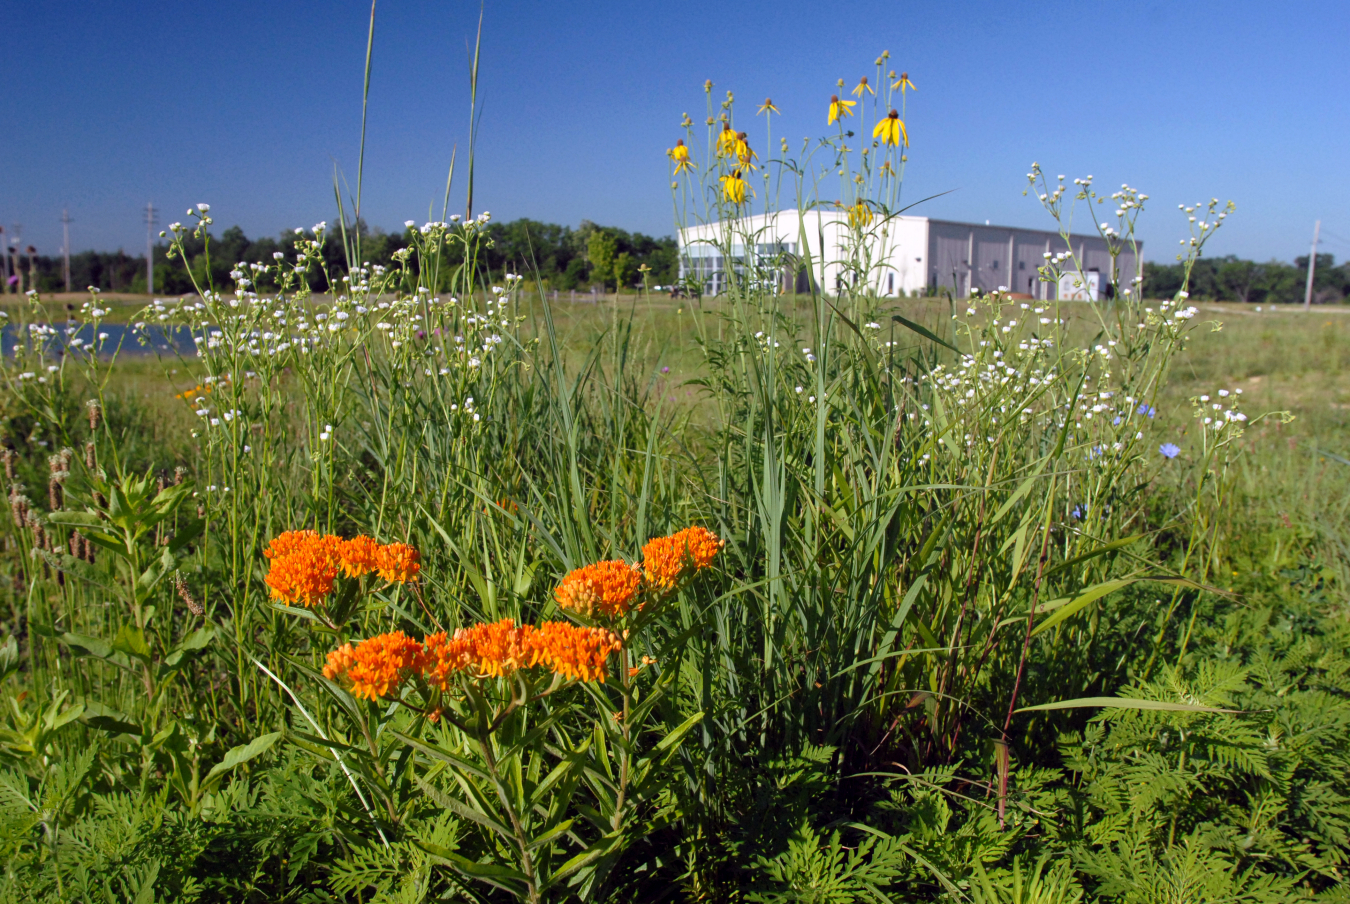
column 1169, row 450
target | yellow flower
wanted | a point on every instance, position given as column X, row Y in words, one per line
column 839, row 108
column 904, row 83
column 726, row 140
column 733, row 187
column 860, row 215
column 743, row 152
column 891, row 130
column 680, row 155
column 862, row 88
column 767, row 107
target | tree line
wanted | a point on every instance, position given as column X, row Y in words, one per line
column 565, row 258
column 561, row 257
column 1233, row 279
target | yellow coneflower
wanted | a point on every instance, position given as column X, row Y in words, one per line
column 680, row 155
column 733, row 187
column 903, row 82
column 863, row 88
column 860, row 215
column 726, row 140
column 767, row 107
column 891, row 130
column 838, row 109
column 743, row 152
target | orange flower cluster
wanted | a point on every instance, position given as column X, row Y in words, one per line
column 359, row 556
column 665, row 560
column 305, row 563
column 607, row 588
column 611, row 588
column 304, row 566
column 376, row 667
column 397, row 562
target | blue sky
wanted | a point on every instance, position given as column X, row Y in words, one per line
column 249, row 105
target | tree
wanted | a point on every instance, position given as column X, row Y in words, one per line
column 601, row 251
column 1239, row 277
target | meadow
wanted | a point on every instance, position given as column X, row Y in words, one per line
column 435, row 589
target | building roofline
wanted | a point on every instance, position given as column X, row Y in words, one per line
column 1047, row 233
column 1050, row 233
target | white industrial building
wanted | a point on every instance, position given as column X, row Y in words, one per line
column 909, row 255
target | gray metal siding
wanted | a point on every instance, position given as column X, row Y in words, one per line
column 948, row 250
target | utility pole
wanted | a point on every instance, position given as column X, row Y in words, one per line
column 65, row 249
column 32, row 268
column 14, row 252
column 4, row 260
column 151, row 220
column 1312, row 266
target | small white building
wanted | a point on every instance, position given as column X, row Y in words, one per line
column 909, row 255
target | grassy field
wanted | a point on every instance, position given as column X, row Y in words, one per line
column 822, row 704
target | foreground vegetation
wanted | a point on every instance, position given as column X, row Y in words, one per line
column 961, row 600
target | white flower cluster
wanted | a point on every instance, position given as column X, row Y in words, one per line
column 1220, row 412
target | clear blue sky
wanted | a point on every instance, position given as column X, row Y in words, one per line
column 248, row 105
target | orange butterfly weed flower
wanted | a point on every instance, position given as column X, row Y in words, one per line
column 576, row 653
column 304, row 577
column 665, row 560
column 607, row 588
column 287, row 542
column 397, row 562
column 304, row 564
column 358, row 556
column 339, row 661
column 497, row 649
column 376, row 666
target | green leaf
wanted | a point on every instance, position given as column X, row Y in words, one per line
column 924, row 332
column 77, row 519
column 186, row 534
column 671, row 742
column 149, row 578
column 1127, row 703
column 476, row 869
column 131, row 640
column 9, row 657
column 471, row 813
column 236, row 756
column 195, row 641
column 96, row 647
column 599, row 849
column 558, row 773
column 1092, row 594
column 1022, row 490
column 78, row 568
column 112, row 725
column 1093, row 553
column 560, row 829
